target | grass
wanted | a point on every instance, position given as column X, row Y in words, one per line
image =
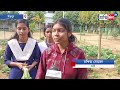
column 5, row 69
column 93, row 75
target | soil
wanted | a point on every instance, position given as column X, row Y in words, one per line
column 3, row 75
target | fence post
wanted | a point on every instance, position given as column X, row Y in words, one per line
column 99, row 43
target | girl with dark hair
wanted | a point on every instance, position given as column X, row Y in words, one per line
column 56, row 60
column 48, row 38
column 22, row 50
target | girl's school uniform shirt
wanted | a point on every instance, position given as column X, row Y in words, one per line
column 42, row 46
column 15, row 72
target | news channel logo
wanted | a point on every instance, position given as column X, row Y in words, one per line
column 107, row 16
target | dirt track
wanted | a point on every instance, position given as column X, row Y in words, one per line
column 109, row 43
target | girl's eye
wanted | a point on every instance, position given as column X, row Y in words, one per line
column 24, row 28
column 48, row 32
column 21, row 28
column 59, row 30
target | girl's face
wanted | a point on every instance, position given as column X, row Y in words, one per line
column 48, row 33
column 59, row 34
column 22, row 30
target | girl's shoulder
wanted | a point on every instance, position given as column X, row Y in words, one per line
column 76, row 51
column 50, row 49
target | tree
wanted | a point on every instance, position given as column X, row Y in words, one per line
column 30, row 15
column 57, row 15
column 38, row 17
column 35, row 18
column 84, row 19
column 117, row 19
column 72, row 16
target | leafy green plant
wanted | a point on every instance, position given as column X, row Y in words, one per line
column 26, row 74
column 5, row 69
column 1, row 56
column 3, row 42
column 115, row 33
column 117, row 64
column 92, row 52
column 90, row 69
column 32, row 27
column 94, row 75
column 118, row 69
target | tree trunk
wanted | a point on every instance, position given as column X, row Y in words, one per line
column 99, row 43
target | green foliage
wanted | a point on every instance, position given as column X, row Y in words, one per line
column 70, row 15
column 117, row 63
column 30, row 15
column 41, row 16
column 84, row 17
column 117, row 19
column 32, row 27
column 117, row 56
column 115, row 33
column 36, row 16
column 3, row 42
column 1, row 56
column 57, row 15
column 26, row 74
column 90, row 69
column 73, row 17
column 118, row 69
column 5, row 69
column 92, row 52
column 107, row 54
column 94, row 75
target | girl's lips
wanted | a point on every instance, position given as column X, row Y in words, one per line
column 56, row 39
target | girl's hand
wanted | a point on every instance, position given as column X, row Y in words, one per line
column 30, row 67
column 20, row 65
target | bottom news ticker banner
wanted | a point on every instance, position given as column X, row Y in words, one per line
column 98, row 63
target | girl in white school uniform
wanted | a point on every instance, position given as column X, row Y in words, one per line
column 22, row 50
column 48, row 38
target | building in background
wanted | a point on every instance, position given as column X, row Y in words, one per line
column 10, row 25
column 49, row 17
